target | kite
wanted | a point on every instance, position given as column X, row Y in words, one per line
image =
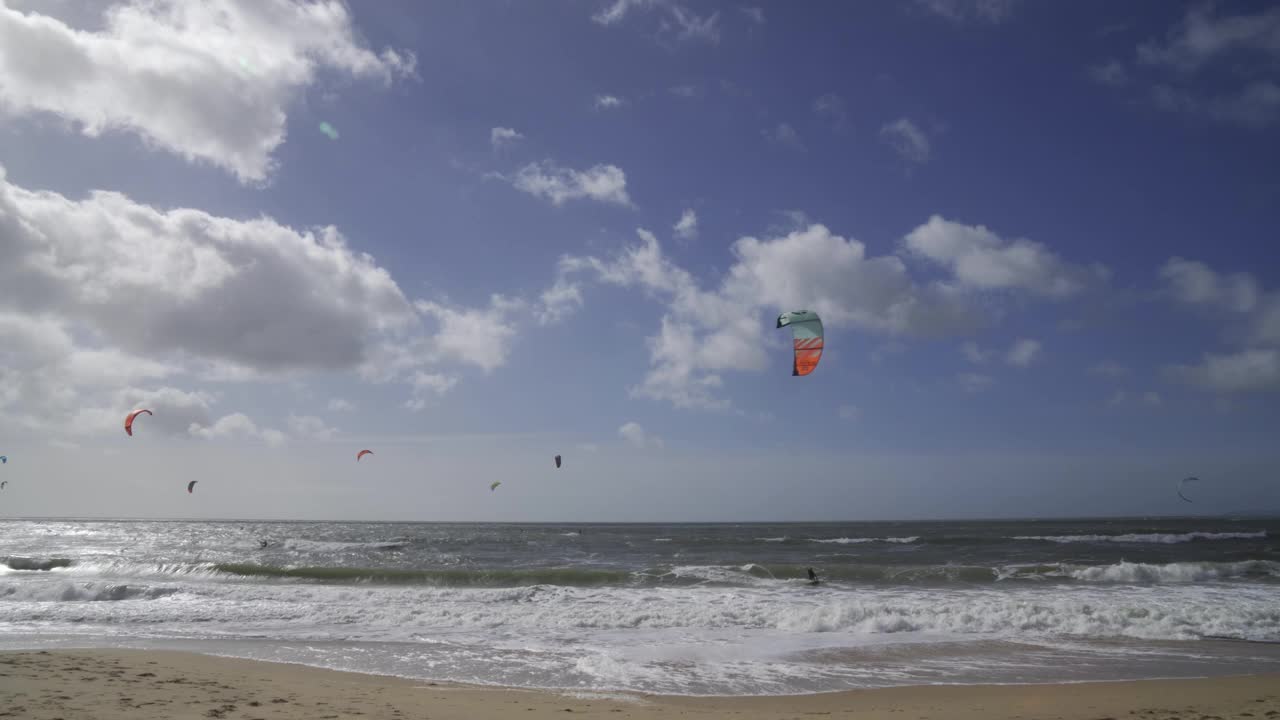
column 128, row 421
column 806, row 335
column 494, row 485
column 4, row 459
column 362, row 453
column 557, row 461
column 1182, row 483
column 191, row 485
column 3, row 483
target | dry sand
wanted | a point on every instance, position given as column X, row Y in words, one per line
column 138, row 684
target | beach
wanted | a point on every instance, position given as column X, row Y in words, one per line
column 138, row 684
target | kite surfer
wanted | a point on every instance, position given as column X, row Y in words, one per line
column 813, row 578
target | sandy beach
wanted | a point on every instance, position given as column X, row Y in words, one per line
column 136, row 684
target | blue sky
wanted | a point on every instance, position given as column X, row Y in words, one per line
column 1039, row 235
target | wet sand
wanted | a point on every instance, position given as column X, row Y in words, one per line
column 142, row 685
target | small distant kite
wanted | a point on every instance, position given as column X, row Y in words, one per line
column 494, row 485
column 191, row 485
column 557, row 461
column 362, row 453
column 1182, row 483
column 329, row 130
column 128, row 421
column 4, row 459
column 3, row 483
column 806, row 338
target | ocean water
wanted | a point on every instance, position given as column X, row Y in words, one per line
column 714, row 609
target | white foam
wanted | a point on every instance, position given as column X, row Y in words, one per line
column 1162, row 538
column 860, row 540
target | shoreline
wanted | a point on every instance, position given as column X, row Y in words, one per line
column 145, row 684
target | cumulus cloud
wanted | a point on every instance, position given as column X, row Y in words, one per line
column 617, row 10
column 207, row 81
column 635, row 434
column 686, row 227
column 236, row 425
column 608, row 102
column 602, row 183
column 1023, row 353
column 426, row 386
column 1254, row 370
column 1238, row 295
column 475, row 336
column 705, row 332
column 908, row 140
column 1109, row 369
column 974, row 382
column 831, row 108
column 1183, row 73
column 786, row 136
column 558, row 302
column 676, row 20
column 311, row 427
column 964, row 11
column 102, row 293
column 983, row 260
column 501, row 137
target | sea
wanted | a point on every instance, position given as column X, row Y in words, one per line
column 688, row 609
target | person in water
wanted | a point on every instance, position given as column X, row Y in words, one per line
column 813, row 578
column 263, row 543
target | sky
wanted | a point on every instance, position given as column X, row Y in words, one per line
column 471, row 236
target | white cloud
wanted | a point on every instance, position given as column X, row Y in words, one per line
column 475, row 336
column 602, row 183
column 1109, row 369
column 1202, row 38
column 103, row 293
column 686, row 227
column 786, row 136
column 1183, row 73
column 706, row 332
column 608, row 102
column 501, row 137
column 558, row 302
column 983, row 260
column 236, row 425
column 1111, row 73
column 685, row 91
column 908, row 140
column 616, row 10
column 310, row 427
column 1123, row 398
column 831, row 108
column 1254, row 370
column 1197, row 285
column 848, row 412
column 974, row 353
column 1023, row 353
column 633, row 433
column 207, row 81
column 962, row 11
column 755, row 14
column 974, row 382
column 426, row 386
column 691, row 26
column 340, row 405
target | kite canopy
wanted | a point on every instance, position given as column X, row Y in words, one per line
column 3, row 483
column 1182, row 483
column 362, row 453
column 4, row 459
column 806, row 335
column 494, row 485
column 128, row 421
column 557, row 461
column 191, row 485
